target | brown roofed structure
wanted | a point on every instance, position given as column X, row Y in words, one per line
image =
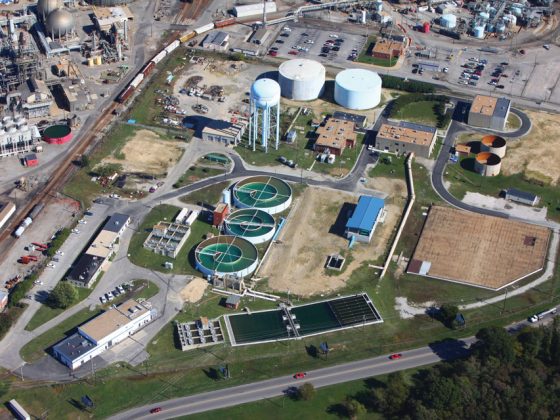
column 484, row 105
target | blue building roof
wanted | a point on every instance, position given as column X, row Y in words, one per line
column 366, row 213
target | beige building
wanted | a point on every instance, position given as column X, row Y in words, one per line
column 335, row 136
column 405, row 138
column 489, row 112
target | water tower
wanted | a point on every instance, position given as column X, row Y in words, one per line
column 265, row 113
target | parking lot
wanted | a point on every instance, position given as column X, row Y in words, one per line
column 316, row 44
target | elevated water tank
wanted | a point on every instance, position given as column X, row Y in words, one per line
column 448, row 21
column 478, row 32
column 59, row 23
column 357, row 89
column 265, row 93
column 301, row 79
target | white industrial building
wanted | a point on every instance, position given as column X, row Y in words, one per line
column 357, row 89
column 16, row 136
column 103, row 332
column 254, row 9
column 301, row 79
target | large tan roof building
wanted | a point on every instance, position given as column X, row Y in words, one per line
column 406, row 137
column 489, row 112
column 335, row 135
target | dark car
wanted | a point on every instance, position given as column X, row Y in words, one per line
column 504, row 63
column 325, row 49
column 500, row 86
column 304, row 34
column 415, row 70
column 322, row 55
column 279, row 41
column 285, row 34
column 155, row 410
column 336, row 48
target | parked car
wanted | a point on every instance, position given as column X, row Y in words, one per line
column 75, row 231
column 103, row 299
column 120, row 289
column 59, row 252
column 110, row 296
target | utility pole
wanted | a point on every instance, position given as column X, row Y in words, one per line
column 505, row 297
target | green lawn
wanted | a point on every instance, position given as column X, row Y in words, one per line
column 463, row 179
column 388, row 166
column 184, row 263
column 420, row 112
column 46, row 313
column 196, row 173
column 301, row 151
column 513, row 122
column 210, row 195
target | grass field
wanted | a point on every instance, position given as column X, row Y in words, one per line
column 46, row 313
column 196, row 173
column 388, row 166
column 420, row 112
column 184, row 263
column 463, row 179
column 513, row 122
column 210, row 195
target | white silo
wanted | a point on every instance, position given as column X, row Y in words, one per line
column 448, row 21
column 264, row 123
column 357, row 89
column 301, row 79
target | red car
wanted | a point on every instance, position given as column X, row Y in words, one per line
column 155, row 410
column 293, row 52
column 395, row 356
column 300, row 375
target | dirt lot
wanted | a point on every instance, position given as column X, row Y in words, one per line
column 478, row 250
column 312, row 233
column 147, row 153
column 537, row 153
column 194, row 291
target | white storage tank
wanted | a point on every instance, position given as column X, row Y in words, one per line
column 357, row 89
column 478, row 32
column 301, row 79
column 448, row 21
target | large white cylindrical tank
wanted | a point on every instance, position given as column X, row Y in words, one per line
column 265, row 93
column 357, row 89
column 478, row 32
column 448, row 21
column 484, row 15
column 301, row 79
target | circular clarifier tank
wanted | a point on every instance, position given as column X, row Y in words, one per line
column 226, row 254
column 257, row 226
column 266, row 193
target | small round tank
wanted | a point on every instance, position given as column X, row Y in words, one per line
column 487, row 164
column 494, row 144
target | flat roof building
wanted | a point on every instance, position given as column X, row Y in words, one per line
column 216, row 40
column 359, row 121
column 406, row 137
column 334, row 136
column 387, row 49
column 489, row 112
column 229, row 134
column 523, row 197
column 103, row 332
column 365, row 218
column 3, row 299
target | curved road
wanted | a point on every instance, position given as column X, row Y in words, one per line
column 443, row 158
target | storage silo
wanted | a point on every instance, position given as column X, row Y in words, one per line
column 478, row 31
column 46, row 7
column 487, row 164
column 357, row 89
column 494, row 144
column 448, row 21
column 301, row 79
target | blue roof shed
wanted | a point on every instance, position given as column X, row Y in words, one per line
column 366, row 213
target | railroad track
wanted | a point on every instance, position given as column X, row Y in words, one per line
column 60, row 175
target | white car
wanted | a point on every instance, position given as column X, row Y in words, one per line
column 82, row 221
column 115, row 196
column 102, row 299
column 110, row 296
column 75, row 231
column 38, row 282
column 59, row 253
column 333, row 36
column 120, row 289
column 546, row 47
column 445, row 69
column 51, row 265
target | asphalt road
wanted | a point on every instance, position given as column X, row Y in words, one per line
column 276, row 387
column 443, row 158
